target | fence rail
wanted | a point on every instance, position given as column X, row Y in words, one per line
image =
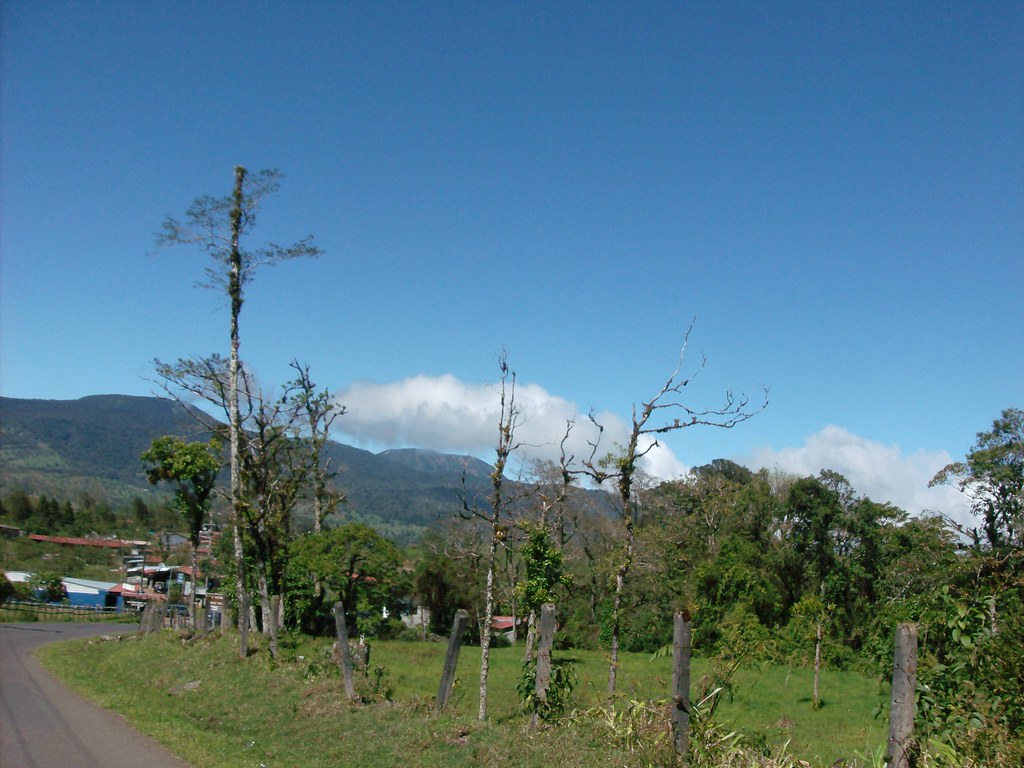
column 65, row 612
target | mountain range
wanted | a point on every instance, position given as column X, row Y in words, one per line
column 66, row 448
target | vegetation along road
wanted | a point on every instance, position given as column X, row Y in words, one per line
column 45, row 725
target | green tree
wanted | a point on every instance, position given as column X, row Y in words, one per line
column 19, row 506
column 192, row 468
column 437, row 589
column 449, row 576
column 353, row 562
column 47, row 587
column 542, row 561
column 141, row 512
column 814, row 509
column 7, row 590
column 992, row 477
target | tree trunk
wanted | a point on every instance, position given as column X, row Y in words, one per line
column 620, row 584
column 613, row 663
column 485, row 625
column 531, row 636
column 234, row 413
column 265, row 610
column 243, row 626
column 195, row 596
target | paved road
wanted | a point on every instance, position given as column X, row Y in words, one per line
column 45, row 725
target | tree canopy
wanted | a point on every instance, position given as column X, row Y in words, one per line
column 992, row 476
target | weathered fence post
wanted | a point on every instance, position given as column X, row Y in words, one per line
column 451, row 659
column 225, row 619
column 243, row 626
column 816, row 699
column 681, row 685
column 275, row 607
column 543, row 677
column 341, row 632
column 144, row 620
column 901, row 712
column 202, row 625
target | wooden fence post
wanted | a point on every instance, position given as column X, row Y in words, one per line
column 203, row 626
column 901, row 711
column 543, row 677
column 451, row 659
column 681, row 685
column 816, row 697
column 243, row 626
column 275, row 608
column 341, row 633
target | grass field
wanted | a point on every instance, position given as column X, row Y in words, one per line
column 216, row 710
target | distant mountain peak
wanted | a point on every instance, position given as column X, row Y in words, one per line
column 429, row 460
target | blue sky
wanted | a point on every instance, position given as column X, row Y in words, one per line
column 835, row 191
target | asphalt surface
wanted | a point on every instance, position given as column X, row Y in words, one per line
column 45, row 725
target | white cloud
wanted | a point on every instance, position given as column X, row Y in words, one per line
column 446, row 414
column 882, row 472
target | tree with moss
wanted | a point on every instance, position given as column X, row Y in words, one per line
column 663, row 413
column 218, row 226
column 495, row 518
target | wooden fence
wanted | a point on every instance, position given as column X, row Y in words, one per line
column 64, row 612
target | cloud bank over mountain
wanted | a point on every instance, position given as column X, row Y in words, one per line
column 446, row 414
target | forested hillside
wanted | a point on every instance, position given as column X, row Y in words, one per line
column 90, row 448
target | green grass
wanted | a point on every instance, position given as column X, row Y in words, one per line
column 253, row 712
column 24, row 554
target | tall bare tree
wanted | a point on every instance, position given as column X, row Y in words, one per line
column 659, row 415
column 217, row 225
column 320, row 411
column 495, row 517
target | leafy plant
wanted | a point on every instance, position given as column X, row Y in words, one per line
column 559, row 691
column 969, row 699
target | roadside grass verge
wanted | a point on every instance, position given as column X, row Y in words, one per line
column 218, row 711
column 14, row 612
